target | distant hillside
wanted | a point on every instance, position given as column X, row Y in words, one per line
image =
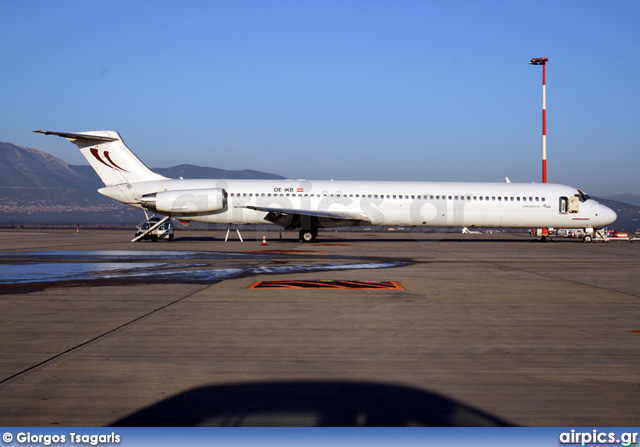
column 191, row 171
column 38, row 188
column 633, row 199
column 23, row 169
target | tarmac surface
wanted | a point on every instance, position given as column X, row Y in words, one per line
column 485, row 330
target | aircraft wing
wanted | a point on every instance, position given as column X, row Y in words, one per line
column 346, row 215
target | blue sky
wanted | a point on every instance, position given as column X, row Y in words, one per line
column 389, row 90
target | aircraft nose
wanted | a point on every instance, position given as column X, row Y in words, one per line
column 606, row 215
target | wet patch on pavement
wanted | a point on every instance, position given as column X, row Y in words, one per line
column 33, row 271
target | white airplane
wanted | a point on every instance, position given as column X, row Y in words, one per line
column 309, row 205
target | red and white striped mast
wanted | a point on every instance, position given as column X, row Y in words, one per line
column 543, row 61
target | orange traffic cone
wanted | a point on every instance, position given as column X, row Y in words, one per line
column 264, row 240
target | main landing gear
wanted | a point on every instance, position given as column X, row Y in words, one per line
column 309, row 235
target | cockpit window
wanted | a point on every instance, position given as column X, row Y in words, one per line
column 583, row 197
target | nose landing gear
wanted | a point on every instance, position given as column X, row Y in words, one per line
column 309, row 235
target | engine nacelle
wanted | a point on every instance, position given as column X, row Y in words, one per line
column 187, row 201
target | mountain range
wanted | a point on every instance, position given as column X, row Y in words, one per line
column 37, row 188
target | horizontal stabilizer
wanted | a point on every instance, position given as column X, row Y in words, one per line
column 78, row 136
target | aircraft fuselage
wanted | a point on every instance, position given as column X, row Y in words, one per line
column 514, row 205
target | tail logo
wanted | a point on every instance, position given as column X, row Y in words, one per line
column 109, row 161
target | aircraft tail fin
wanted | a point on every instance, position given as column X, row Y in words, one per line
column 107, row 154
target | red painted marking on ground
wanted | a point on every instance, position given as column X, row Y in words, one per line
column 284, row 251
column 326, row 284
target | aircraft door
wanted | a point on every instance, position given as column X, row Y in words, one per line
column 564, row 205
column 574, row 204
column 569, row 205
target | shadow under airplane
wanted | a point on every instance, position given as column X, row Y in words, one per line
column 308, row 404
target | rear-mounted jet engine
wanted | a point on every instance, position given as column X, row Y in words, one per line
column 189, row 201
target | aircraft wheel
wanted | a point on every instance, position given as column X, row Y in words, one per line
column 308, row 236
column 587, row 239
